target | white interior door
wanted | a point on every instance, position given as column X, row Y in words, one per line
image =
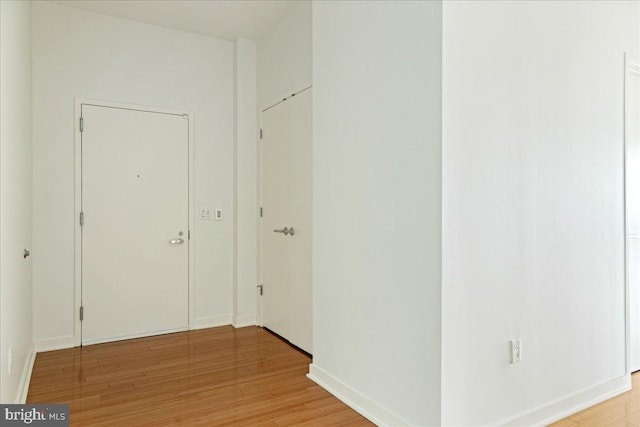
column 632, row 141
column 135, row 201
column 286, row 202
column 275, row 208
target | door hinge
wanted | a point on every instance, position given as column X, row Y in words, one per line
column 189, row 234
column 81, row 313
column 260, row 287
column 81, row 219
column 260, row 212
column 260, row 133
column 81, row 124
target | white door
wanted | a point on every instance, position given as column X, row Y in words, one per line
column 286, row 203
column 632, row 141
column 135, row 201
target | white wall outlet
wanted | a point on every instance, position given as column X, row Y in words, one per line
column 10, row 361
column 205, row 213
column 218, row 214
column 516, row 351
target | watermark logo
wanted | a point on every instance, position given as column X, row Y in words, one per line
column 34, row 415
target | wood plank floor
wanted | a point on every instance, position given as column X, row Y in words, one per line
column 210, row 377
column 620, row 411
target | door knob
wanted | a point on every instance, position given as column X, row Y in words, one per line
column 176, row 241
column 26, row 253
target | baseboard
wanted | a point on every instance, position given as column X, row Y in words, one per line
column 133, row 336
column 368, row 408
column 25, row 378
column 58, row 343
column 210, row 322
column 243, row 321
column 562, row 408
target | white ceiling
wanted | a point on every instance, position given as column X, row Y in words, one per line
column 225, row 19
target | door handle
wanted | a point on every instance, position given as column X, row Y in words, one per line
column 176, row 241
column 26, row 253
column 286, row 231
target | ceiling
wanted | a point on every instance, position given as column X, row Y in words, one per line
column 225, row 19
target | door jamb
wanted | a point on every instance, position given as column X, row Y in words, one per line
column 259, row 300
column 78, row 102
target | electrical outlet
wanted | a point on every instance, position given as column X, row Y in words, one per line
column 516, row 351
column 10, row 361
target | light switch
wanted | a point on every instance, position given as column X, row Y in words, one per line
column 205, row 213
column 218, row 214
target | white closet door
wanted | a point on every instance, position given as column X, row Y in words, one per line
column 275, row 210
column 135, row 197
column 286, row 202
column 632, row 140
column 300, row 188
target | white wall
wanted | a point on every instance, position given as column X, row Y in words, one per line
column 532, row 206
column 15, row 197
column 284, row 56
column 246, row 185
column 377, row 206
column 81, row 54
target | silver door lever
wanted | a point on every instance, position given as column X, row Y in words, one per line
column 286, row 231
column 176, row 241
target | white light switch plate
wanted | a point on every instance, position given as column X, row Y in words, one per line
column 205, row 213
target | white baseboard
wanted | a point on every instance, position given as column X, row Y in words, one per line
column 562, row 408
column 210, row 322
column 25, row 378
column 133, row 336
column 368, row 408
column 58, row 343
column 243, row 321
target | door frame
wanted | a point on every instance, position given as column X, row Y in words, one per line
column 189, row 115
column 259, row 315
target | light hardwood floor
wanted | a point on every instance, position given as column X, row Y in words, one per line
column 620, row 411
column 212, row 377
